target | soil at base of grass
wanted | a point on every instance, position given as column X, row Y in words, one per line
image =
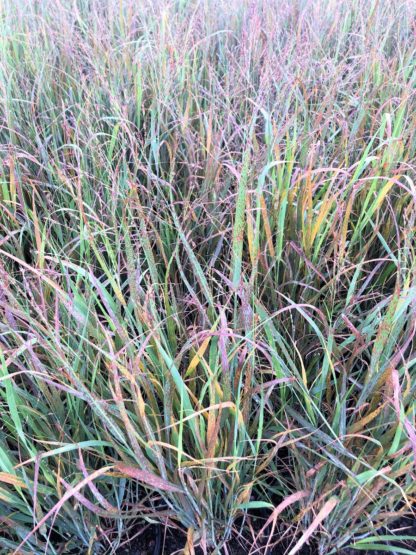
column 154, row 541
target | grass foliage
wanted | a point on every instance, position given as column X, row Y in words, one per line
column 207, row 272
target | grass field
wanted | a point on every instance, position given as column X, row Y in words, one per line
column 207, row 273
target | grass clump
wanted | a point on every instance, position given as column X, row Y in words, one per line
column 207, row 273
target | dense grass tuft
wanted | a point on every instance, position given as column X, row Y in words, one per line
column 207, row 272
